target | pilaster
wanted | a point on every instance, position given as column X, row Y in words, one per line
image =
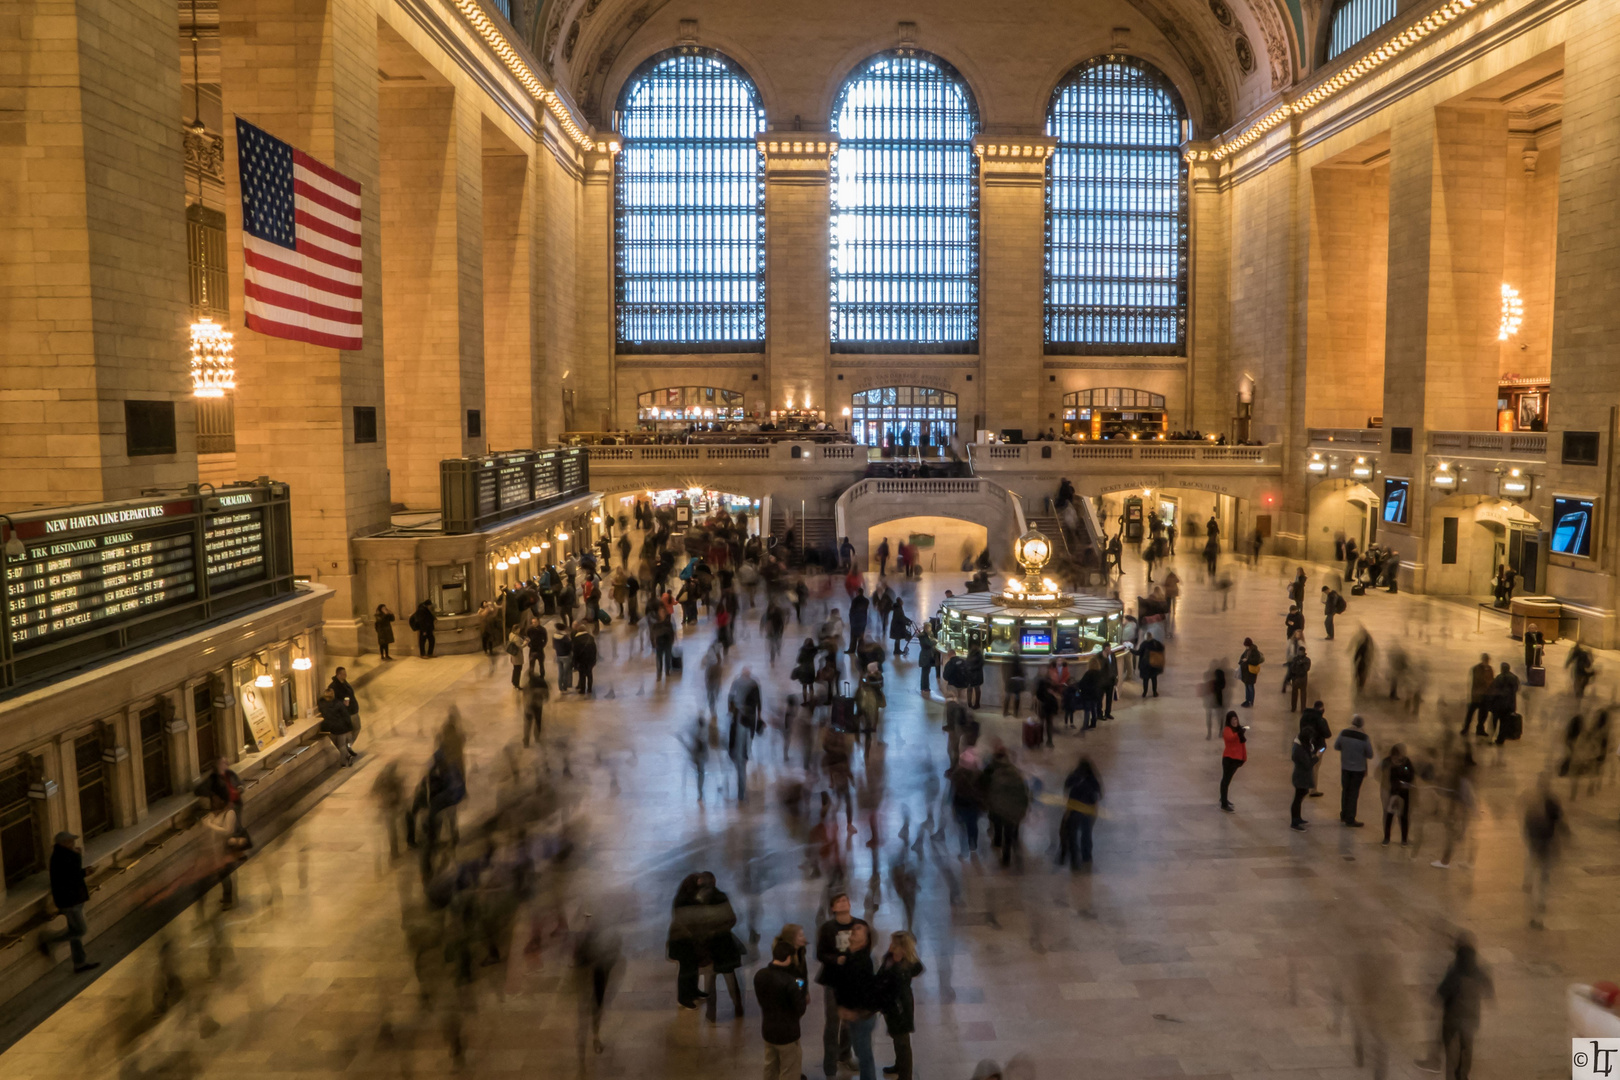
column 798, row 208
column 1012, row 245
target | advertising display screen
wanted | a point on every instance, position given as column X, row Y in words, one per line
column 1397, row 496
column 1572, row 526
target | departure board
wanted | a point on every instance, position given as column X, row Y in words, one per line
column 514, row 481
column 72, row 585
column 476, row 492
column 86, row 582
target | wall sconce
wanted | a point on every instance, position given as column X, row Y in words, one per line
column 1445, row 477
column 264, row 682
column 1360, row 469
column 535, row 550
column 1316, row 465
column 545, row 545
column 501, row 565
column 302, row 663
column 562, row 536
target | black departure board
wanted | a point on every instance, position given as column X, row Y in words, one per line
column 475, row 492
column 68, row 586
column 95, row 580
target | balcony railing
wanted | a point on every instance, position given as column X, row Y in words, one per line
column 776, row 453
column 1530, row 445
column 1064, row 455
column 1355, row 438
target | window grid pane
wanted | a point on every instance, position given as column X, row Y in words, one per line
column 1354, row 20
column 689, row 220
column 905, row 220
column 1116, row 213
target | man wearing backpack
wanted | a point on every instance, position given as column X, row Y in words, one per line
column 1249, row 670
column 1332, row 604
column 422, row 620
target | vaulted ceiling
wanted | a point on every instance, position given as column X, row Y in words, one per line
column 1234, row 53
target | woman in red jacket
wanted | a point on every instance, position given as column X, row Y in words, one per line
column 1234, row 752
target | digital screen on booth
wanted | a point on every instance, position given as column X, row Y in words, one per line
column 1035, row 641
column 1397, row 494
column 1572, row 526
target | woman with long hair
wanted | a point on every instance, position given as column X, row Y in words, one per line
column 900, row 965
column 383, row 622
column 1234, row 752
column 685, row 942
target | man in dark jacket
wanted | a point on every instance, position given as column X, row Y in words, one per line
column 335, row 724
column 858, row 605
column 1313, row 726
column 69, row 894
column 1304, row 759
column 1503, row 696
column 1355, row 755
column 422, row 621
column 783, row 998
column 832, row 949
column 1465, row 985
column 346, row 697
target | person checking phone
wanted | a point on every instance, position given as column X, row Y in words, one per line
column 783, row 998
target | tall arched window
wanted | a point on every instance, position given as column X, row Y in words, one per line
column 689, row 216
column 1354, row 20
column 905, row 225
column 1116, row 212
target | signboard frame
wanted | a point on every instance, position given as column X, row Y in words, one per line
column 98, row 580
column 475, row 493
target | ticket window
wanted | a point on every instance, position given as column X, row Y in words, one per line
column 1003, row 635
column 21, row 851
column 95, row 798
column 155, row 754
column 204, row 720
column 447, row 585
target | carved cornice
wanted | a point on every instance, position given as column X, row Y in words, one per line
column 794, row 157
column 1013, row 160
column 205, row 154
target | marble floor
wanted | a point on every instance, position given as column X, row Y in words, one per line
column 1202, row 944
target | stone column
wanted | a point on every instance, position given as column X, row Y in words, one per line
column 67, row 755
column 126, row 774
column 431, row 165
column 188, row 713
column 92, row 249
column 1012, row 245
column 514, row 416
column 1586, row 318
column 1447, row 192
column 1211, row 388
column 592, row 379
column 306, row 72
column 797, row 273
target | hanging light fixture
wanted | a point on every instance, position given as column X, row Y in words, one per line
column 264, row 682
column 1512, row 313
column 213, row 361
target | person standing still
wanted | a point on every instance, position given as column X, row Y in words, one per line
column 782, row 998
column 1479, row 688
column 1249, row 670
column 1355, row 755
column 69, row 894
column 1234, row 752
column 422, row 621
column 832, row 950
column 1332, row 604
column 1304, row 759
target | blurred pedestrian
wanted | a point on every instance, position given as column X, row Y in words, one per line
column 1395, row 777
column 1082, row 791
column 1544, row 832
column 1465, row 986
column 69, row 894
column 834, row 940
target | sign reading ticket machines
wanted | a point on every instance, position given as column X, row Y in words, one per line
column 1594, row 1059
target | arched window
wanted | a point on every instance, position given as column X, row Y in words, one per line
column 905, row 224
column 678, row 406
column 918, row 416
column 1354, row 20
column 689, row 216
column 1114, row 412
column 1116, row 212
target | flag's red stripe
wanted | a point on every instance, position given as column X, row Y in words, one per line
column 267, row 265
column 330, row 175
column 302, row 305
column 309, row 221
column 310, row 250
column 301, row 333
column 321, row 198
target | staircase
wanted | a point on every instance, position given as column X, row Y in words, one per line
column 817, row 533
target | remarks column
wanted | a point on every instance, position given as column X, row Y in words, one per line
column 797, row 269
column 1012, row 246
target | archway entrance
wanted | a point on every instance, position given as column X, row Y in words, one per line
column 1340, row 509
column 1470, row 536
column 907, row 418
column 1132, row 510
column 942, row 542
column 1114, row 412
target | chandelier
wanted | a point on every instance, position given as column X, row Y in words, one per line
column 213, row 366
column 1512, row 313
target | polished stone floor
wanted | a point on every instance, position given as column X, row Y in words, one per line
column 1202, row 944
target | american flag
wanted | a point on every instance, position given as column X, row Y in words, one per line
column 300, row 243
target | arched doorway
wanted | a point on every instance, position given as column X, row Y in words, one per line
column 1471, row 535
column 942, row 542
column 673, row 408
column 1114, row 412
column 916, row 417
column 1340, row 508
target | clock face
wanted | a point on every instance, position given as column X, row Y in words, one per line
column 1036, row 551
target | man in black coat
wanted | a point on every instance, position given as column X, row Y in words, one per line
column 783, row 998
column 832, row 949
column 69, row 894
column 344, row 692
column 858, row 605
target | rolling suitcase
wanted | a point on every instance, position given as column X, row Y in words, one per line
column 1536, row 676
column 843, row 710
column 1358, row 589
column 1512, row 726
column 1034, row 734
column 675, row 661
